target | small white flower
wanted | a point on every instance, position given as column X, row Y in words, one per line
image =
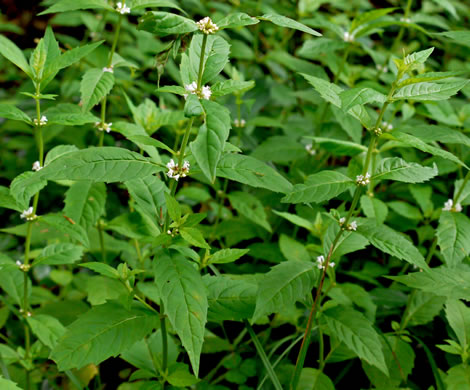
column 363, row 180
column 239, row 123
column 206, row 92
column 109, row 70
column 104, row 126
column 176, row 172
column 310, row 150
column 449, row 206
column 28, row 214
column 352, row 226
column 342, row 220
column 347, row 37
column 405, row 20
column 42, row 121
column 19, row 263
column 321, row 262
column 37, row 166
column 122, row 8
column 191, row 88
column 207, row 26
column 382, row 68
column 387, row 126
column 378, row 131
column 203, row 93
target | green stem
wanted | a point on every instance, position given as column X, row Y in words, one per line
column 101, row 237
column 464, row 183
column 343, row 62
column 262, row 355
column 164, row 339
column 402, row 28
column 201, row 61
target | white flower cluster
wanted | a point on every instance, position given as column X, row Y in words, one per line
column 449, row 206
column 41, row 122
column 23, row 267
column 382, row 68
column 122, row 8
column 36, row 166
column 378, row 131
column 347, row 37
column 239, row 123
column 351, row 226
column 405, row 20
column 321, row 263
column 207, row 26
column 103, row 126
column 28, row 214
column 387, row 126
column 109, row 70
column 204, row 93
column 363, row 180
column 175, row 172
column 310, row 150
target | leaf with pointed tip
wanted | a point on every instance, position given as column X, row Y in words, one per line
column 429, row 91
column 319, row 187
column 328, row 91
column 185, row 301
column 453, row 237
column 104, row 331
column 73, row 5
column 395, row 168
column 95, row 85
column 283, row 285
column 9, row 111
column 12, row 53
column 69, row 115
column 164, row 23
column 250, row 207
column 140, row 4
column 46, row 328
column 62, row 253
column 24, row 186
column 360, row 96
column 284, row 21
column 231, row 86
column 228, row 255
column 7, row 384
column 74, row 231
column 238, row 19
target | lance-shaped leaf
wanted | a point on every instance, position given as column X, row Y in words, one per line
column 453, row 237
column 73, row 5
column 285, row 284
column 339, row 147
column 13, row 53
column 164, row 23
column 62, row 253
column 429, row 91
column 423, row 308
column 284, row 21
column 458, row 315
column 395, row 168
column 46, row 328
column 24, row 186
column 12, row 280
column 140, row 4
column 238, row 19
column 185, row 301
column 319, row 187
column 355, row 330
column 7, row 384
column 66, row 228
column 104, row 331
column 227, row 255
column 209, row 144
column 9, row 111
column 231, row 86
column 390, row 241
column 442, row 281
column 248, row 170
column 250, row 207
column 95, row 85
column 328, row 91
column 360, row 96
column 68, row 114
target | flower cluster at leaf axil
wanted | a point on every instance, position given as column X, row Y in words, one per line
column 108, row 69
column 350, row 226
column 202, row 93
column 363, row 180
column 28, row 214
column 449, row 206
column 122, row 8
column 321, row 262
column 41, row 122
column 103, row 126
column 175, row 172
column 207, row 26
column 239, row 123
column 37, row 166
column 310, row 150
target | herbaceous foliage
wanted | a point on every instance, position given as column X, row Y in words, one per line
column 280, row 190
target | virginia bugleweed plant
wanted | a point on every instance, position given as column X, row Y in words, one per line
column 236, row 195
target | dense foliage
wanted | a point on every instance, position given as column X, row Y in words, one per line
column 236, row 195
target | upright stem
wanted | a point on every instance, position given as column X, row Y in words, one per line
column 343, row 62
column 460, row 191
column 201, row 61
column 164, row 339
column 402, row 28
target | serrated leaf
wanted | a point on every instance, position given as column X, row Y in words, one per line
column 353, row 329
column 283, row 285
column 193, row 107
column 238, row 19
column 374, row 208
column 248, row 170
column 9, row 111
column 7, row 384
column 279, row 149
column 328, row 91
column 12, row 281
column 453, row 237
column 429, row 91
column 389, row 241
column 46, row 328
column 24, row 186
column 12, row 53
column 104, row 331
column 73, row 5
column 458, row 315
column 339, row 147
column 62, row 253
column 458, row 377
column 194, row 237
column 319, row 187
column 95, row 85
column 69, row 115
column 185, row 301
column 250, row 207
column 360, row 96
column 146, row 140
column 228, row 255
column 102, row 269
column 62, row 225
column 226, row 87
column 284, row 21
column 423, row 308
column 395, row 168
column 164, row 23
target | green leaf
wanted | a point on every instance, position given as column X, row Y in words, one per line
column 429, row 76
column 6, row 384
column 389, row 241
column 415, row 142
column 453, row 237
column 284, row 21
column 442, row 281
column 250, row 207
column 95, row 85
column 24, row 186
column 62, row 225
column 62, row 253
column 179, row 375
column 339, row 147
column 193, row 106
column 194, row 237
column 12, row 281
column 319, row 187
column 423, row 308
column 69, row 115
column 139, row 4
column 37, row 61
column 458, row 315
column 164, row 23
column 311, row 378
column 102, row 269
column 46, row 328
column 328, row 91
column 374, row 208
column 149, row 141
column 174, row 208
column 104, row 331
column 226, row 87
column 248, row 170
column 292, row 249
column 395, row 168
column 279, row 149
column 227, row 255
column 296, row 220
column 73, row 5
column 428, row 91
column 185, row 301
column 352, row 328
column 85, row 203
column 238, row 19
column 360, row 96
column 9, row 111
column 347, row 243
column 12, row 53
column 230, row 299
column 283, row 285
column 461, row 37
column 458, row 377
